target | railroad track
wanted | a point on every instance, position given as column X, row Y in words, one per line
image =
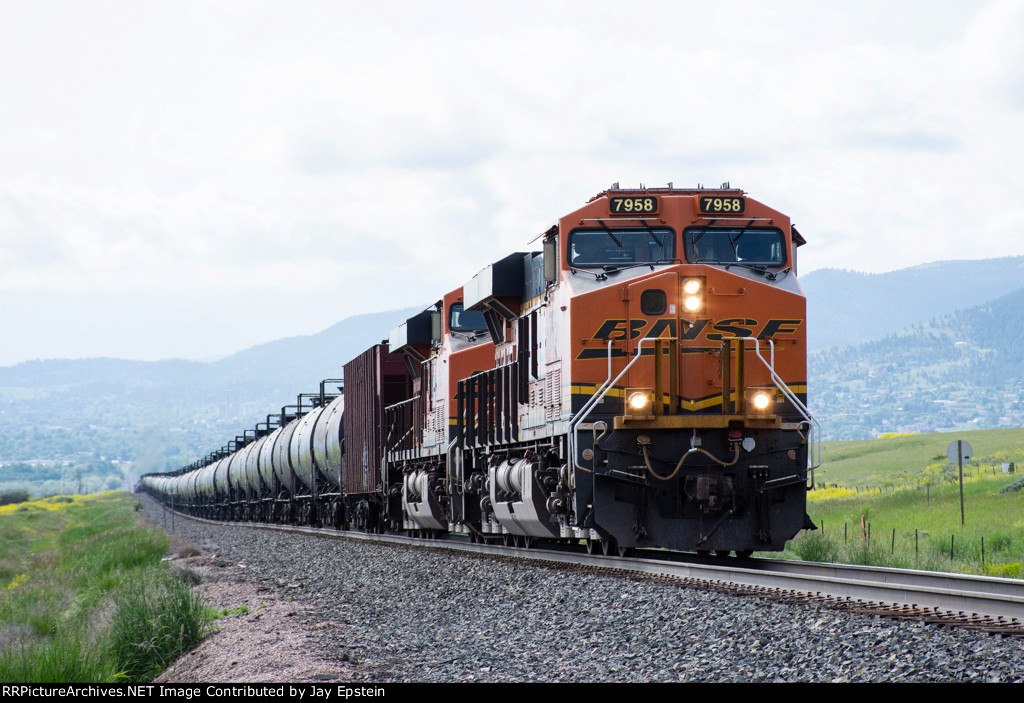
column 977, row 602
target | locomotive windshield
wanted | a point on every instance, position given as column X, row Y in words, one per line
column 461, row 320
column 730, row 245
column 616, row 246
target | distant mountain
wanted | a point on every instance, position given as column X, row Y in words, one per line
column 299, row 363
column 846, row 307
column 960, row 371
column 163, row 414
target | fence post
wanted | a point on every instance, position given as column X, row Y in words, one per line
column 893, row 550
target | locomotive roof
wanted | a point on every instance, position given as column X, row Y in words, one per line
column 669, row 190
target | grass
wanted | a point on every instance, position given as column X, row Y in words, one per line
column 85, row 596
column 896, row 459
column 228, row 612
column 909, row 497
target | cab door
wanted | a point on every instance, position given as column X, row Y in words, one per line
column 652, row 307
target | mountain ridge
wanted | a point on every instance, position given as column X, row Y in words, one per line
column 847, row 307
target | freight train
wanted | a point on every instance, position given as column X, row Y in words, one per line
column 641, row 381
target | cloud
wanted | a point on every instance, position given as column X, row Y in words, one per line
column 317, row 160
column 900, row 141
column 990, row 56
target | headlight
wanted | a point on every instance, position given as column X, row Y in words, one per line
column 760, row 400
column 693, row 294
column 639, row 401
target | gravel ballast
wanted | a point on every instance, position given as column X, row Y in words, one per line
column 400, row 614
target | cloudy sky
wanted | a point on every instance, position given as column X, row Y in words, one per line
column 187, row 179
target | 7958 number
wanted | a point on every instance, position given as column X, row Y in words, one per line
column 642, row 205
column 720, row 204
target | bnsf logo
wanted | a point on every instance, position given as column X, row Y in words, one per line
column 701, row 331
column 666, row 327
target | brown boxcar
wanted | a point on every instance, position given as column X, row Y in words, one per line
column 373, row 380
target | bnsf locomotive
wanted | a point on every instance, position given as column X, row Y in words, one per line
column 640, row 382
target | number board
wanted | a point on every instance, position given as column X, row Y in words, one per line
column 642, row 205
column 718, row 204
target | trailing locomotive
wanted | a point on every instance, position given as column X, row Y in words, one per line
column 639, row 382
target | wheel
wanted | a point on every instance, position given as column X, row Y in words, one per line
column 625, row 552
column 608, row 547
column 593, row 546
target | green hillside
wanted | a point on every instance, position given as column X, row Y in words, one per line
column 905, row 460
column 962, row 371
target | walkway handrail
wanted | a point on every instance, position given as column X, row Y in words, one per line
column 814, row 445
column 599, row 395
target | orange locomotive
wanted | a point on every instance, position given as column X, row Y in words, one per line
column 639, row 383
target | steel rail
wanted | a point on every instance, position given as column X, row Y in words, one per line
column 897, row 591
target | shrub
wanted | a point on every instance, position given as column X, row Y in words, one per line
column 157, row 619
column 12, row 497
column 815, row 546
column 1013, row 487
